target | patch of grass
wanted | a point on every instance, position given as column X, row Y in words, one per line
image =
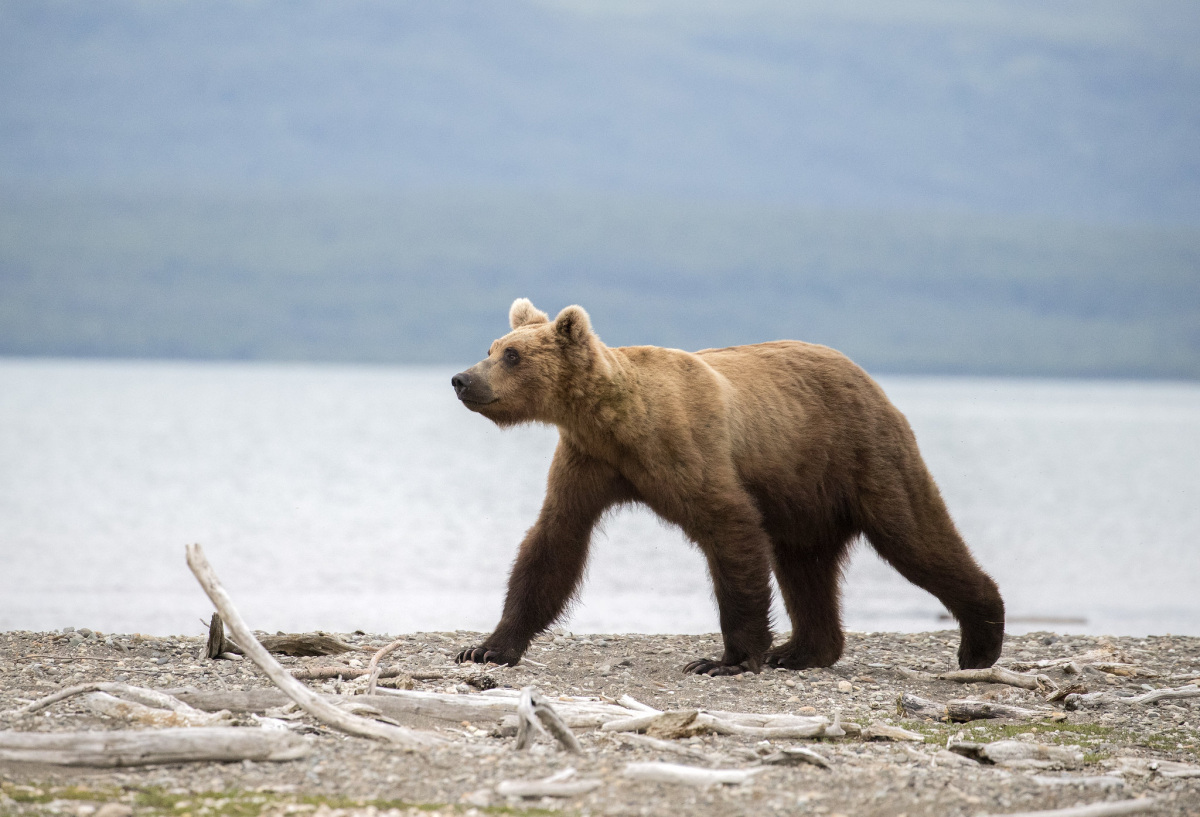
column 36, row 794
column 1169, row 740
column 989, row 731
column 1083, row 735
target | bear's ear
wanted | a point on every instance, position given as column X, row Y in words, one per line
column 523, row 313
column 573, row 324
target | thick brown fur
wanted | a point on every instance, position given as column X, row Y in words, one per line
column 772, row 457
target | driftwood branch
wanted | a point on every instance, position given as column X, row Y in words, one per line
column 373, row 667
column 536, row 714
column 1019, row 754
column 295, row 644
column 990, row 675
column 689, row 775
column 149, row 746
column 1105, row 659
column 884, row 731
column 1095, row 810
column 965, row 710
column 1103, row 698
column 104, row 704
column 681, row 723
column 349, row 673
column 629, row 702
column 1189, row 691
column 147, row 697
column 576, row 714
column 309, row 701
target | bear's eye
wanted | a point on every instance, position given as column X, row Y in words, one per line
column 511, row 356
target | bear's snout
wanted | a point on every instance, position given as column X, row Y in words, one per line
column 471, row 388
column 461, row 382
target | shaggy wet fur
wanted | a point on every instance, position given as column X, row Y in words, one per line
column 771, row 457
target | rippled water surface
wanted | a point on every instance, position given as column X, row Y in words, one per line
column 340, row 498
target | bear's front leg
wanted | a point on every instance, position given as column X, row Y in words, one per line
column 552, row 556
column 738, row 551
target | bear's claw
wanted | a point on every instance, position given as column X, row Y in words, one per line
column 711, row 667
column 479, row 655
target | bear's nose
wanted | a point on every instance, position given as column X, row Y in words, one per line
column 460, row 382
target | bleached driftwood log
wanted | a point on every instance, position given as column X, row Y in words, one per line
column 681, row 723
column 535, row 714
column 990, row 675
column 147, row 697
column 689, row 775
column 1019, row 754
column 486, row 707
column 965, row 710
column 104, row 704
column 884, row 731
column 150, row 746
column 1116, row 809
column 576, row 714
column 234, row 700
column 556, row 785
column 305, row 698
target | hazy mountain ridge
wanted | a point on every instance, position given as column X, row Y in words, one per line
column 428, row 279
column 999, row 186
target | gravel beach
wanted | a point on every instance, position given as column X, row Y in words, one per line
column 1113, row 747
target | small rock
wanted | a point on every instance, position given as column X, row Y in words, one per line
column 671, row 725
column 845, row 686
column 114, row 810
column 948, row 758
column 481, row 798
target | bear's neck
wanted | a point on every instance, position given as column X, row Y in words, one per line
column 603, row 408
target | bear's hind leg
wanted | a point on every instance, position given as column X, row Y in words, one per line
column 924, row 546
column 809, row 579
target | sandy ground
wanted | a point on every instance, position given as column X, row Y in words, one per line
column 1129, row 750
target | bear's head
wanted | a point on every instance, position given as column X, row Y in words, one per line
column 537, row 371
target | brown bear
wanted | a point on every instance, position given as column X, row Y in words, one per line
column 774, row 456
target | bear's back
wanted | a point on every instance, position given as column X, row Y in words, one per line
column 793, row 402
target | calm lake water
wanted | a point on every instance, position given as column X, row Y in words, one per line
column 340, row 498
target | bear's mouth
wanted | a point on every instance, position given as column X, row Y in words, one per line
column 472, row 403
